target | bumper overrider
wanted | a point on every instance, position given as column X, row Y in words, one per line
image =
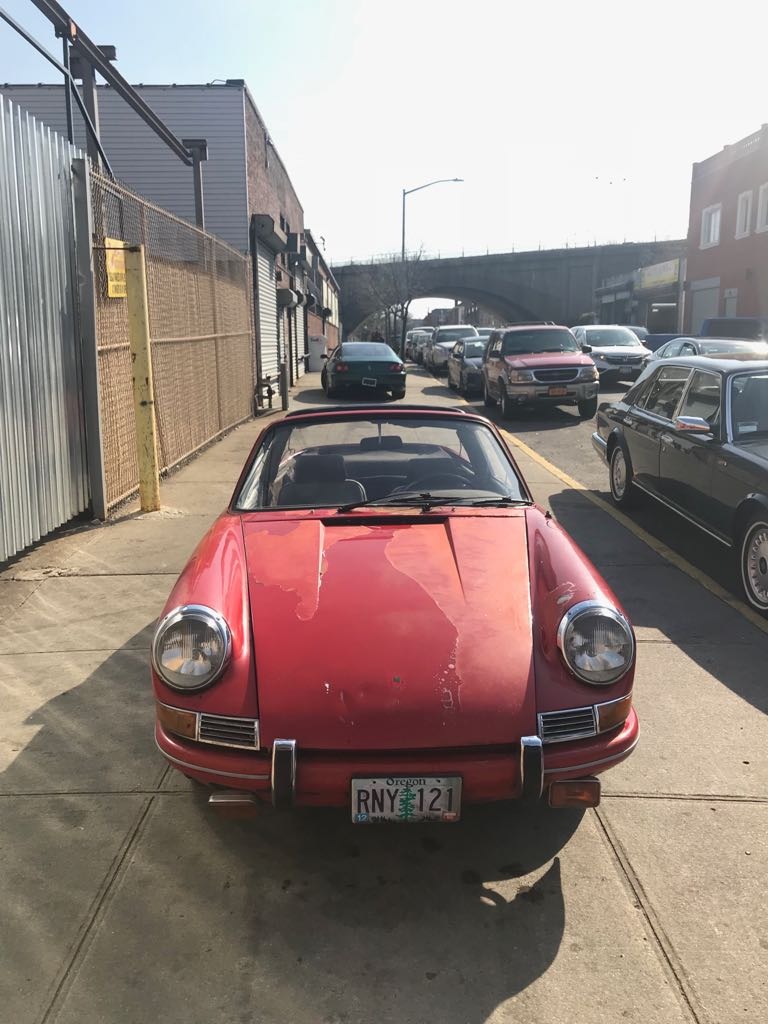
column 285, row 775
column 564, row 394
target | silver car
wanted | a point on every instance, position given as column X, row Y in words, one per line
column 441, row 344
column 617, row 352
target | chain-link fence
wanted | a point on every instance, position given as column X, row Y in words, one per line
column 200, row 314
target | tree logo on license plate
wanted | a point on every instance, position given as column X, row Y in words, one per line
column 405, row 807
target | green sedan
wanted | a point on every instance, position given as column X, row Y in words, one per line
column 363, row 366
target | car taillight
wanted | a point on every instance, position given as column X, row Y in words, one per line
column 341, row 367
column 397, row 367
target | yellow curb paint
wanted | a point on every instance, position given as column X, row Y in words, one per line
column 647, row 538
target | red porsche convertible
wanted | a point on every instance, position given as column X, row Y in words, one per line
column 384, row 621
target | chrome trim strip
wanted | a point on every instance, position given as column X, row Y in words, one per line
column 683, row 515
column 208, row 771
column 282, row 786
column 592, row 764
column 531, row 768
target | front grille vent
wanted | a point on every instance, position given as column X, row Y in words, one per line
column 562, row 375
column 229, row 732
column 574, row 724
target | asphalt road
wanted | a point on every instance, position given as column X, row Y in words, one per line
column 122, row 899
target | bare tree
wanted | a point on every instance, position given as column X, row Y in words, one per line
column 391, row 287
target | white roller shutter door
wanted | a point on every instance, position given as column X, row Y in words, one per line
column 268, row 336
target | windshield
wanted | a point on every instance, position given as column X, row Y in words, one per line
column 474, row 349
column 331, row 462
column 365, row 351
column 602, row 337
column 749, row 406
column 453, row 334
column 523, row 342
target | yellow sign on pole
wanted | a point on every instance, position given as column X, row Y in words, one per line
column 115, row 259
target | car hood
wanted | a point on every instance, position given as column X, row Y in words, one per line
column 474, row 361
column 543, row 359
column 620, row 350
column 402, row 633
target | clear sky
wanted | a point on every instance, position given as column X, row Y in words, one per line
column 571, row 122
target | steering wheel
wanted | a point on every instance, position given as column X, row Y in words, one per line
column 437, row 480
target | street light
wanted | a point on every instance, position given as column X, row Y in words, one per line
column 407, row 192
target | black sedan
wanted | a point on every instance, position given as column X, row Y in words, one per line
column 363, row 366
column 465, row 363
column 693, row 434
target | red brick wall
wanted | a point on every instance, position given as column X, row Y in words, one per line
column 269, row 187
column 316, row 325
column 740, row 263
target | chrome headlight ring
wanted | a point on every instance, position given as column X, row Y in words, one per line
column 603, row 673
column 192, row 661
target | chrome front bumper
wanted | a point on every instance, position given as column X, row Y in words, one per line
column 535, row 392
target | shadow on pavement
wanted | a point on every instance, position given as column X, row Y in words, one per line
column 660, row 597
column 301, row 910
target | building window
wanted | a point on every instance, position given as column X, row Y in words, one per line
column 762, row 208
column 744, row 215
column 710, row 226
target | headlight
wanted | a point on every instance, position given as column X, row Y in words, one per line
column 192, row 647
column 520, row 376
column 589, row 373
column 596, row 642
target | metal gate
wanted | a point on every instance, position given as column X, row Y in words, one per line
column 301, row 342
column 43, row 468
column 267, row 312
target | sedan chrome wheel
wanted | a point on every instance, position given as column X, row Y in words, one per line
column 618, row 474
column 754, row 565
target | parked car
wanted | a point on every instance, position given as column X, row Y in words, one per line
column 538, row 364
column 363, row 366
column 617, row 352
column 420, row 339
column 465, row 365
column 290, row 665
column 693, row 434
column 439, row 346
column 408, row 347
column 754, row 328
column 715, row 347
column 485, row 332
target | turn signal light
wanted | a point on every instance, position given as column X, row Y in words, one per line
column 181, row 723
column 397, row 367
column 613, row 713
column 575, row 793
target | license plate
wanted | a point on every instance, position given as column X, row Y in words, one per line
column 369, row 382
column 406, row 799
column 558, row 392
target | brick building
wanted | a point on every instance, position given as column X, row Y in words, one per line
column 249, row 198
column 727, row 267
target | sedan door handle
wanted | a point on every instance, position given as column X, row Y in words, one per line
column 667, row 439
column 721, row 462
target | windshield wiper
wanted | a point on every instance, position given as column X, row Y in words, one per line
column 423, row 498
column 501, row 499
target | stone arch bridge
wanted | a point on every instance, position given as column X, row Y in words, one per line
column 549, row 284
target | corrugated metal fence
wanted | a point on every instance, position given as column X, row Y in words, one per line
column 43, row 474
column 200, row 312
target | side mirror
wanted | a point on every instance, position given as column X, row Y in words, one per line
column 323, row 356
column 692, row 425
column 586, row 349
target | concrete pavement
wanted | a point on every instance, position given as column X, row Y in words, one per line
column 122, row 899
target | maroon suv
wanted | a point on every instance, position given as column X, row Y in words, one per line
column 537, row 364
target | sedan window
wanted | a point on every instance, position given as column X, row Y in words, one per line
column 749, row 405
column 666, row 390
column 703, row 398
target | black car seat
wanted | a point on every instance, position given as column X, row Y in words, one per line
column 320, row 480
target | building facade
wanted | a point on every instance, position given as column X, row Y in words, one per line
column 249, row 200
column 323, row 299
column 727, row 272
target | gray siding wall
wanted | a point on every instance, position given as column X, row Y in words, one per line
column 141, row 161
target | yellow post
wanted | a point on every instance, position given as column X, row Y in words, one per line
column 143, row 386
